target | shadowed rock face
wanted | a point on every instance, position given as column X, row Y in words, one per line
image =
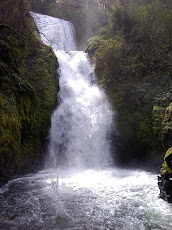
column 27, row 93
column 167, row 126
column 165, row 179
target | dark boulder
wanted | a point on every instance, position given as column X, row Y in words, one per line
column 165, row 179
column 165, row 186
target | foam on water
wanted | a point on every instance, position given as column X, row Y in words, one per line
column 89, row 199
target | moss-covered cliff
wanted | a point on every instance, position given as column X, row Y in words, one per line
column 132, row 57
column 27, row 90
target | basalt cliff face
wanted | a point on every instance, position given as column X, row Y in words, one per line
column 27, row 90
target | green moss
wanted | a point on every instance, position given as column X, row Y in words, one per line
column 165, row 168
column 94, row 43
column 143, row 130
column 134, row 125
column 10, row 135
column 27, row 96
column 158, row 113
column 167, row 124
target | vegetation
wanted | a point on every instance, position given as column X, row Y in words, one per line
column 27, row 90
column 133, row 63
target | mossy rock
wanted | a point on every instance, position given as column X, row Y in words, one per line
column 165, row 167
column 28, row 91
column 167, row 125
column 158, row 113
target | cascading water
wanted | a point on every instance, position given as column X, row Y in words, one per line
column 78, row 136
column 54, row 32
column 81, row 199
column 80, row 124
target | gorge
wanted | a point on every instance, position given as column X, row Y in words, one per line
column 80, row 187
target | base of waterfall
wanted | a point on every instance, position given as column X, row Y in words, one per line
column 84, row 199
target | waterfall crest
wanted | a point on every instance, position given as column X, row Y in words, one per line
column 54, row 32
column 80, row 124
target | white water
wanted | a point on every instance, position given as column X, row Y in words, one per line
column 111, row 199
column 82, row 199
column 81, row 124
column 54, row 32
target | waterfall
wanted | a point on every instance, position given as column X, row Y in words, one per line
column 84, row 198
column 54, row 32
column 80, row 125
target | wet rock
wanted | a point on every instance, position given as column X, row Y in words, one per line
column 165, row 186
column 165, row 179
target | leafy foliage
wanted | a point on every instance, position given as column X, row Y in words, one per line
column 134, row 63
